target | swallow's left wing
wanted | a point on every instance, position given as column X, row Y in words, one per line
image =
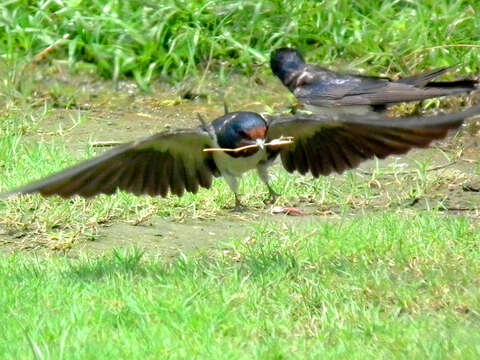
column 323, row 145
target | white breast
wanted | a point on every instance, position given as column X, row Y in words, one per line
column 237, row 166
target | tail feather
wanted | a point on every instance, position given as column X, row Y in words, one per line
column 465, row 85
column 424, row 78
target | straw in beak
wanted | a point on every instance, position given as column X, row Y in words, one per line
column 260, row 143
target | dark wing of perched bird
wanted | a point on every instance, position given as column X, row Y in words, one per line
column 171, row 160
column 323, row 145
column 322, row 87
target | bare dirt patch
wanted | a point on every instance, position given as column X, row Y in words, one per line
column 84, row 110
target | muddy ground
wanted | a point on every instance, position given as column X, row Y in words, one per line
column 84, row 110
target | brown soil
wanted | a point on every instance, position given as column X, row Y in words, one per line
column 127, row 114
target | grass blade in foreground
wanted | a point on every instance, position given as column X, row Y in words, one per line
column 396, row 285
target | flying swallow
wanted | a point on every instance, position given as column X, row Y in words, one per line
column 176, row 161
column 316, row 87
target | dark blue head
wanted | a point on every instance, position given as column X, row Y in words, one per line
column 238, row 129
column 286, row 61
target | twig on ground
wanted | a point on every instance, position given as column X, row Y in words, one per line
column 40, row 56
column 105, row 143
column 459, row 209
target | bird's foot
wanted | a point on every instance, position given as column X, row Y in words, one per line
column 271, row 199
column 272, row 196
column 239, row 207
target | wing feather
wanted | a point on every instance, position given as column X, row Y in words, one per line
column 342, row 159
column 325, row 144
column 151, row 175
column 164, row 178
column 312, row 159
column 177, row 185
column 323, row 87
column 325, row 159
column 352, row 156
column 171, row 160
column 300, row 158
column 336, row 159
column 288, row 161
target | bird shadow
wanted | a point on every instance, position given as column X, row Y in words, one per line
column 125, row 261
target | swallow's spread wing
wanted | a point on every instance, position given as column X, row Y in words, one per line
column 324, row 87
column 325, row 145
column 168, row 161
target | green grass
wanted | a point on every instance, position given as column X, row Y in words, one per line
column 175, row 39
column 59, row 223
column 372, row 277
column 388, row 286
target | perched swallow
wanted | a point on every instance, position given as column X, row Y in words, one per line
column 175, row 161
column 315, row 86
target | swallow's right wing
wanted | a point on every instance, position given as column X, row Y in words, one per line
column 172, row 160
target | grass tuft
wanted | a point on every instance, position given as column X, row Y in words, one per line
column 389, row 285
column 175, row 39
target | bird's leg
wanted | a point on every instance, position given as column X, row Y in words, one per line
column 239, row 207
column 232, row 182
column 263, row 173
column 272, row 195
column 202, row 121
